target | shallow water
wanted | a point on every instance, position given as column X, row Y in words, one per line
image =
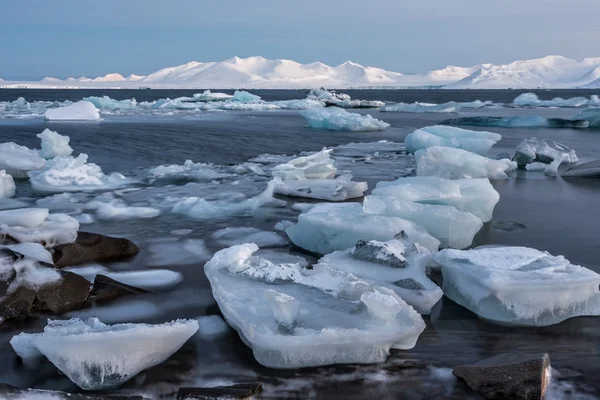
column 558, row 215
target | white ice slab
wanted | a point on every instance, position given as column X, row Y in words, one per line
column 18, row 160
column 479, row 142
column 339, row 189
column 54, row 145
column 55, row 229
column 314, row 166
column 338, row 119
column 450, row 107
column 7, row 185
column 80, row 111
column 119, row 211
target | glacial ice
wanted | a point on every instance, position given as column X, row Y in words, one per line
column 339, row 189
column 7, row 185
column 18, row 160
column 532, row 100
column 342, row 100
column 119, row 211
column 207, row 95
column 245, row 97
column 546, row 151
column 302, row 104
column 519, row 285
column 80, row 111
column 476, row 196
column 591, row 115
column 397, row 264
column 338, row 119
column 54, row 145
column 450, row 107
column 318, row 165
column 97, row 356
column 107, row 103
column 326, row 228
column 308, row 317
column 447, row 136
column 449, row 163
column 52, row 230
column 532, row 121
column 70, row 174
column 25, row 217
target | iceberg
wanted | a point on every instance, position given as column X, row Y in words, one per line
column 7, row 185
column 70, row 174
column 207, row 95
column 308, row 317
column 449, row 163
column 80, row 111
column 326, row 228
column 450, row 107
column 339, row 189
column 18, row 160
column 107, row 103
column 552, row 154
column 397, row 264
column 245, row 97
column 518, row 285
column 532, row 100
column 54, row 145
column 338, row 119
column 342, row 100
column 318, row 165
column 302, row 104
column 37, row 226
column 591, row 115
column 533, row 121
column 119, row 211
column 446, row 136
column 96, row 356
column 476, row 196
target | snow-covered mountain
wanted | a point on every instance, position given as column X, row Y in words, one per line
column 259, row 72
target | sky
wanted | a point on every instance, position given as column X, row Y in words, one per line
column 62, row 38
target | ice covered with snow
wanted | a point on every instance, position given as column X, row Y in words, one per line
column 70, row 174
column 450, row 163
column 26, row 271
column 80, row 111
column 18, row 160
column 479, row 142
column 532, row 100
column 476, row 196
column 552, row 154
column 397, row 264
column 207, row 95
column 106, row 103
column 119, row 211
column 450, row 107
column 318, row 165
column 54, row 145
column 342, row 100
column 308, row 317
column 519, row 285
column 338, row 119
column 97, row 356
column 27, row 225
column 530, row 121
column 189, row 170
column 339, row 189
column 326, row 228
column 7, row 185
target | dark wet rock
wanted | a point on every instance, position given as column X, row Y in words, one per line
column 508, row 376
column 586, row 170
column 508, row 226
column 239, row 391
column 8, row 392
column 18, row 304
column 105, row 289
column 410, row 284
column 93, row 247
column 67, row 294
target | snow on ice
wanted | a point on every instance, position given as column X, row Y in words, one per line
column 479, row 142
column 338, row 119
column 54, row 145
column 80, row 111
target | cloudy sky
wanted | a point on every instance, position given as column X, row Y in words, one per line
column 64, row 38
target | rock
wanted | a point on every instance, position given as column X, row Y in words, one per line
column 508, row 376
column 105, row 289
column 93, row 247
column 239, row 391
column 8, row 392
column 67, row 294
column 17, row 304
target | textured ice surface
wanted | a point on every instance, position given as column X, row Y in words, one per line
column 453, row 228
column 151, row 279
column 26, row 217
column 519, row 285
column 479, row 142
column 25, row 271
column 70, row 174
column 450, row 107
column 476, row 196
column 545, row 151
column 107, row 103
column 339, row 189
column 52, row 230
column 331, row 98
column 294, row 317
column 409, row 281
column 80, row 111
column 532, row 100
column 531, row 121
column 54, row 145
column 314, row 166
column 119, row 211
column 32, row 250
column 338, row 119
column 189, row 170
column 18, row 160
column 326, row 228
column 97, row 356
column 207, row 95
column 245, row 97
column 449, row 163
column 7, row 185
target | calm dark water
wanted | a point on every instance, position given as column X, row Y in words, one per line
column 561, row 216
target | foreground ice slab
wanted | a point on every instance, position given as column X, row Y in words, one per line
column 314, row 166
column 533, row 121
column 18, row 160
column 479, row 142
column 7, row 185
column 519, row 285
column 397, row 264
column 294, row 317
column 449, row 163
column 339, row 189
column 450, row 107
column 80, row 111
column 97, row 356
column 326, row 228
column 476, row 196
column 54, row 145
column 545, row 151
column 37, row 226
column 70, row 174
column 338, row 119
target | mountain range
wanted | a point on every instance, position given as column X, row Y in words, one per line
column 263, row 73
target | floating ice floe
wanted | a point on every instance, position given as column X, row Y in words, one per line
column 106, row 103
column 342, row 100
column 519, row 285
column 479, row 142
column 189, row 170
column 314, row 166
column 326, row 228
column 151, row 279
column 70, row 174
column 97, row 356
column 591, row 115
column 295, row 317
column 54, row 145
column 38, row 226
column 302, row 104
column 7, row 185
column 207, row 95
column 586, row 170
column 450, row 107
column 80, row 111
column 547, row 152
column 237, row 235
column 397, row 264
column 476, row 196
column 532, row 100
column 533, row 121
column 450, row 163
column 119, row 211
column 339, row 189
column 18, row 160
column 244, row 97
column 338, row 119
